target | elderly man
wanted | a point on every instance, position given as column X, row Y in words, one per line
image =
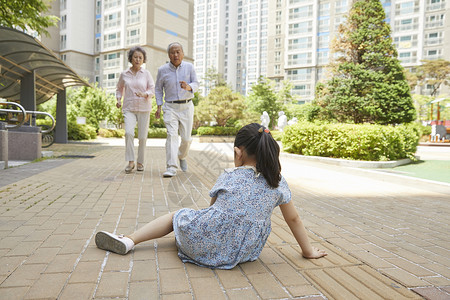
column 176, row 82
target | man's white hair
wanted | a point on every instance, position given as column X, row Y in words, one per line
column 174, row 44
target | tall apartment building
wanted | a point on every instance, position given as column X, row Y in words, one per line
column 94, row 37
column 231, row 37
column 292, row 41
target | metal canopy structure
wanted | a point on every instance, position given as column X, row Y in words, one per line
column 22, row 55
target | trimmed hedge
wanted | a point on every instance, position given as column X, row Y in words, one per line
column 160, row 133
column 79, row 132
column 217, row 130
column 349, row 141
column 109, row 133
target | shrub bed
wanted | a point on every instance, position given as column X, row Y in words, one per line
column 109, row 133
column 79, row 132
column 216, row 130
column 157, row 133
column 349, row 141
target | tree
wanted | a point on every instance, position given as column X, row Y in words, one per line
column 26, row 15
column 367, row 83
column 220, row 106
column 263, row 98
column 213, row 79
column 434, row 73
column 284, row 94
column 422, row 107
column 94, row 104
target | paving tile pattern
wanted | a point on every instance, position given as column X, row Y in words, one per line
column 385, row 240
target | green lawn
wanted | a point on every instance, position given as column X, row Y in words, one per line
column 437, row 170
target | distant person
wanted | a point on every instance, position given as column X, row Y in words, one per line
column 176, row 82
column 282, row 120
column 265, row 119
column 235, row 227
column 137, row 88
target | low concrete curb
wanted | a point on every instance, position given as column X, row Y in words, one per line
column 351, row 163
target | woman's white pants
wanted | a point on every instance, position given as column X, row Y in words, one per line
column 142, row 119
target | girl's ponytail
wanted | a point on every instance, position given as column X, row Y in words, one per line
column 258, row 141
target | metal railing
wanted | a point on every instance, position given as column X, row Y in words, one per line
column 46, row 131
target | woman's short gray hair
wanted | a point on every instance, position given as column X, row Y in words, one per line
column 134, row 49
column 174, row 44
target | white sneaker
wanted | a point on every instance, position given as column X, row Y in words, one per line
column 183, row 165
column 170, row 172
column 115, row 243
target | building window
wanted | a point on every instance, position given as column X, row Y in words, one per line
column 434, row 54
column 302, row 27
column 322, row 57
column 407, row 8
column 277, row 29
column 300, row 43
column 277, row 43
column 324, row 9
column 406, row 41
column 63, row 41
column 434, row 21
column 324, row 25
column 111, row 60
column 435, row 5
column 300, row 12
column 111, row 40
column 277, row 70
column 340, row 6
column 406, row 24
column 110, row 80
column 97, row 64
column 277, row 56
column 133, row 36
column 97, row 45
column 111, row 3
column 324, row 41
column 62, row 4
column 299, row 74
column 302, row 90
column 63, row 57
column 134, row 15
column 407, row 57
column 63, row 22
column 98, row 7
column 300, row 59
column 278, row 16
column 112, row 20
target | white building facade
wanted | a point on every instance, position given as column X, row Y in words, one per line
column 292, row 41
column 95, row 36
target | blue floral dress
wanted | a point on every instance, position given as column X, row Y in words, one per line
column 236, row 227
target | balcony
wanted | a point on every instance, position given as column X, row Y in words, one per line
column 435, row 24
column 432, row 42
column 435, row 6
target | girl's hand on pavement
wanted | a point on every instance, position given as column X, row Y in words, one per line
column 316, row 253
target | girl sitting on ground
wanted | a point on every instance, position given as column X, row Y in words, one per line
column 235, row 227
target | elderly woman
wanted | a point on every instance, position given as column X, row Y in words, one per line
column 136, row 87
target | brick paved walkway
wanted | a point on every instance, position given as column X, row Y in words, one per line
column 387, row 236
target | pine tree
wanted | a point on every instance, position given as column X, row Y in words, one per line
column 368, row 83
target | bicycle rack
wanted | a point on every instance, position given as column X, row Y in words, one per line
column 47, row 137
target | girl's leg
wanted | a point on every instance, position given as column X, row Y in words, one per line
column 123, row 244
column 155, row 229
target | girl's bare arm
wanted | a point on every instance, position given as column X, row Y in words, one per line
column 298, row 230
